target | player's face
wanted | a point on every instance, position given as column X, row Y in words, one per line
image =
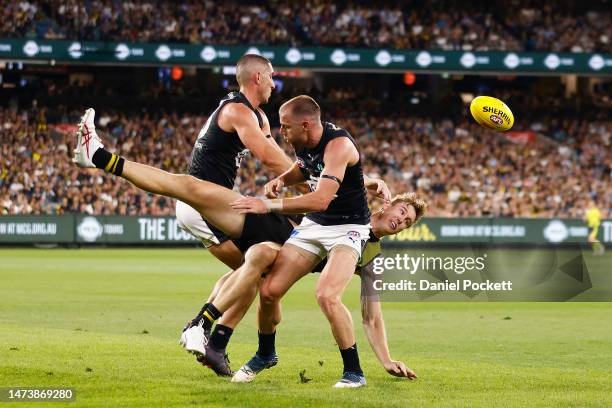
column 266, row 83
column 396, row 218
column 293, row 131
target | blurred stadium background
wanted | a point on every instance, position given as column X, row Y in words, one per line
column 399, row 75
column 408, row 109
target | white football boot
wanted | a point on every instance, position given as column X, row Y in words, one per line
column 351, row 380
column 88, row 140
column 194, row 340
column 254, row 366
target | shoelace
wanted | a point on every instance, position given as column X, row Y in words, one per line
column 247, row 370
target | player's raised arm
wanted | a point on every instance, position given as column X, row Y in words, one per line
column 244, row 121
column 339, row 153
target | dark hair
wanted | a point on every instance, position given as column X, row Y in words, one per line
column 246, row 60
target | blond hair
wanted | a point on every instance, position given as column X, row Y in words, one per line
column 418, row 204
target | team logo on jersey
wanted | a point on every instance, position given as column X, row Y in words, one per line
column 300, row 162
column 354, row 236
column 294, row 233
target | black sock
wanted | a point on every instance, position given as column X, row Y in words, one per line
column 209, row 315
column 350, row 358
column 266, row 344
column 220, row 337
column 112, row 163
column 198, row 318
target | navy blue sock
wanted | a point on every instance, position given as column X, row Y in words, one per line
column 266, row 344
column 350, row 358
column 220, row 337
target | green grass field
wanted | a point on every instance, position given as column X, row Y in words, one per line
column 107, row 323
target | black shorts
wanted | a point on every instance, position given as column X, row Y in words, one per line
column 218, row 233
column 263, row 227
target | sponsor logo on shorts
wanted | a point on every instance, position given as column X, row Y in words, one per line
column 354, row 236
column 496, row 119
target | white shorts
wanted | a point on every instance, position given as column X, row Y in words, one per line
column 192, row 222
column 320, row 239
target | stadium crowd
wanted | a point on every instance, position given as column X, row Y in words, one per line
column 448, row 25
column 460, row 168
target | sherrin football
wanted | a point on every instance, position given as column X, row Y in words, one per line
column 492, row 113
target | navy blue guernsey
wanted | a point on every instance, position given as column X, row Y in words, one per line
column 350, row 205
column 217, row 154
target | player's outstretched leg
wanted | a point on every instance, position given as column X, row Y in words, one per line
column 210, row 200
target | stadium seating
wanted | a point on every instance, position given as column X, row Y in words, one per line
column 460, row 168
column 449, row 25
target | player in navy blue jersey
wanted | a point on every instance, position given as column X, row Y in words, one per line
column 336, row 225
column 238, row 127
column 257, row 235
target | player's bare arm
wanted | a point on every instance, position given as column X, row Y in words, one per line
column 239, row 118
column 289, row 178
column 377, row 187
column 339, row 154
column 374, row 327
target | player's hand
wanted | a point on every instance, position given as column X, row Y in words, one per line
column 379, row 188
column 273, row 188
column 249, row 205
column 399, row 369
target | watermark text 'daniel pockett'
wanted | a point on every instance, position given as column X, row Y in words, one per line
column 487, row 273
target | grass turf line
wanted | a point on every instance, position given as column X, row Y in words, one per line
column 107, row 322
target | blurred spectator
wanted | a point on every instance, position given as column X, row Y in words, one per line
column 415, row 24
column 460, row 168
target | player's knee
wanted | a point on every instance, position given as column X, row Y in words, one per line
column 327, row 300
column 261, row 255
column 192, row 185
column 268, row 295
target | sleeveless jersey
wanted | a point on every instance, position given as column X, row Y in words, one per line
column 349, row 205
column 217, row 154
